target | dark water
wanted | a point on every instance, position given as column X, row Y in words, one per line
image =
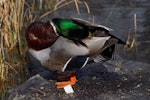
column 118, row 15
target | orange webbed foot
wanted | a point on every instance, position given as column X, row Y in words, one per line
column 72, row 81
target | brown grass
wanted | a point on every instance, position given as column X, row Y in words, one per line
column 11, row 21
column 131, row 43
column 63, row 3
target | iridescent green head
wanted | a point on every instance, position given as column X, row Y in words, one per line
column 71, row 29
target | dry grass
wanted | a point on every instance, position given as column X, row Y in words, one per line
column 11, row 23
column 131, row 43
column 62, row 3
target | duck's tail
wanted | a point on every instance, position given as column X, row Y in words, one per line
column 105, row 55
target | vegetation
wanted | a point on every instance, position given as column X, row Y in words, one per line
column 11, row 45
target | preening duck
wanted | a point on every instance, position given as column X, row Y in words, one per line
column 59, row 42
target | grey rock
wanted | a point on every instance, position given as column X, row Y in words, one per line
column 97, row 81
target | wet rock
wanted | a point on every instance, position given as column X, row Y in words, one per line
column 97, row 81
column 127, row 67
column 33, row 89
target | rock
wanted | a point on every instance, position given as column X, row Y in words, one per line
column 97, row 81
column 31, row 89
column 126, row 67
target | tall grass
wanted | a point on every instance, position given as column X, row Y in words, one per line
column 15, row 16
column 61, row 3
column 131, row 44
column 11, row 45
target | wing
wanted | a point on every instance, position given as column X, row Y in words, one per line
column 76, row 63
column 98, row 30
column 91, row 25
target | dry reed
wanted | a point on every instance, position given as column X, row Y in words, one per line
column 63, row 3
column 11, row 23
column 131, row 43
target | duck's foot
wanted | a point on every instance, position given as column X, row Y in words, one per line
column 72, row 81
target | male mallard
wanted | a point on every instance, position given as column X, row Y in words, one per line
column 56, row 43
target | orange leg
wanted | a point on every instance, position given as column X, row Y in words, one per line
column 72, row 81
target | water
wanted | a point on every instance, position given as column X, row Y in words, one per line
column 118, row 15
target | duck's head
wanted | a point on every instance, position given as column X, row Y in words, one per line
column 40, row 35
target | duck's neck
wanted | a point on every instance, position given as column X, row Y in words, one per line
column 54, row 28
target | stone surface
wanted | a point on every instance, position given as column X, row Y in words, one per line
column 124, row 80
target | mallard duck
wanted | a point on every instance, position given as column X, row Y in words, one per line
column 58, row 42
